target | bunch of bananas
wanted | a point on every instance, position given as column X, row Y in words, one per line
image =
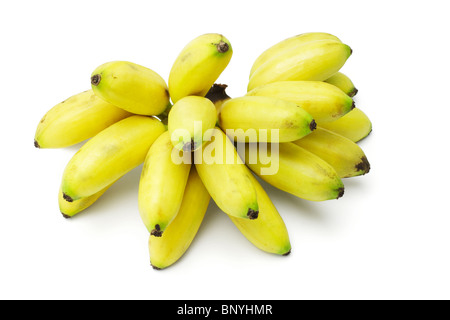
column 296, row 128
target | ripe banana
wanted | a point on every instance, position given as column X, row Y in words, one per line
column 69, row 209
column 268, row 232
column 316, row 60
column 198, row 65
column 344, row 83
column 345, row 156
column 323, row 101
column 161, row 185
column 288, row 44
column 294, row 170
column 131, row 87
column 109, row 155
column 264, row 119
column 191, row 121
column 226, row 177
column 355, row 125
column 76, row 119
column 171, row 246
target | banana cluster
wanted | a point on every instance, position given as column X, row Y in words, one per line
column 296, row 128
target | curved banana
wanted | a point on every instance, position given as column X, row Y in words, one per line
column 198, row 65
column 69, row 209
column 295, row 170
column 109, row 155
column 316, row 60
column 288, row 44
column 131, row 87
column 344, row 83
column 191, row 121
column 323, row 101
column 264, row 119
column 171, row 246
column 344, row 155
column 268, row 232
column 226, row 177
column 76, row 119
column 161, row 186
column 355, row 125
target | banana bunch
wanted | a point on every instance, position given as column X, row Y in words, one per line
column 296, row 128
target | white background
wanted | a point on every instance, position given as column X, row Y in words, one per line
column 387, row 238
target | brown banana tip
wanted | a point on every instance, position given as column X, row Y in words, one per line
column 364, row 165
column 353, row 105
column 36, row 144
column 340, row 192
column 66, row 215
column 252, row 214
column 67, row 198
column 157, row 231
column 155, row 267
column 287, row 253
column 313, row 125
column 95, row 79
column 353, row 92
column 217, row 93
column 222, row 47
column 190, row 146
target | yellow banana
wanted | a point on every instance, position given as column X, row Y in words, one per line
column 355, row 125
column 161, row 185
column 69, row 209
column 344, row 83
column 171, row 246
column 131, row 87
column 76, row 119
column 109, row 155
column 316, row 60
column 345, row 156
column 288, row 44
column 323, row 101
column 191, row 121
column 264, row 119
column 268, row 232
column 226, row 177
column 218, row 96
column 294, row 170
column 198, row 65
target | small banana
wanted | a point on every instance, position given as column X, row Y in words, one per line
column 161, row 185
column 226, row 177
column 190, row 122
column 264, row 119
column 288, row 44
column 109, row 155
column 295, row 170
column 131, row 87
column 344, row 83
column 198, row 65
column 268, row 232
column 76, row 119
column 316, row 60
column 171, row 246
column 355, row 125
column 323, row 101
column 345, row 156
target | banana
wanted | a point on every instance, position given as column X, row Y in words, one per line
column 198, row 65
column 288, row 44
column 226, row 177
column 323, row 101
column 69, row 209
column 171, row 246
column 264, row 119
column 344, row 83
column 191, row 121
column 161, row 185
column 345, row 156
column 268, row 232
column 295, row 170
column 109, row 155
column 316, row 60
column 355, row 125
column 131, row 87
column 218, row 96
column 76, row 119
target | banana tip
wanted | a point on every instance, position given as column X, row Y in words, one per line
column 353, row 105
column 340, row 192
column 313, row 125
column 252, row 214
column 222, row 47
column 67, row 198
column 287, row 253
column 66, row 215
column 353, row 92
column 36, row 144
column 95, row 79
column 364, row 165
column 155, row 267
column 217, row 93
column 157, row 231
